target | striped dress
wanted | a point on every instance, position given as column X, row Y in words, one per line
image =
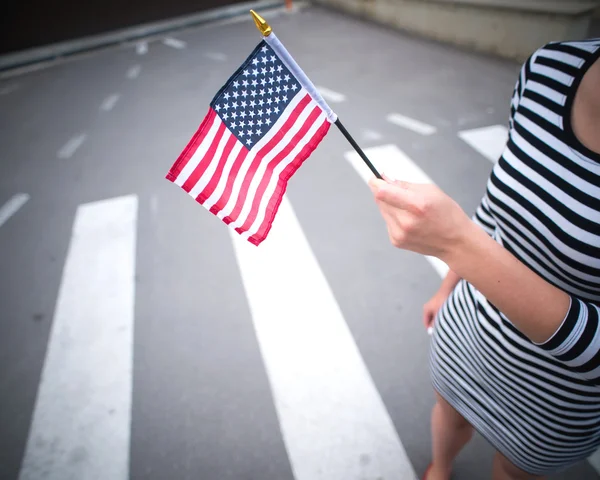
column 539, row 405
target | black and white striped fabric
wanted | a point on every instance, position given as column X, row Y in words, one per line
column 537, row 404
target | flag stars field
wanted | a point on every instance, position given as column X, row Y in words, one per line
column 230, row 109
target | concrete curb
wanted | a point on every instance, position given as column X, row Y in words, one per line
column 63, row 49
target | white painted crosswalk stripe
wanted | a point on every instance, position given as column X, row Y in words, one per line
column 330, row 411
column 394, row 163
column 594, row 460
column 11, row 207
column 371, row 135
column 330, row 95
column 109, row 102
column 411, row 124
column 134, row 71
column 81, row 421
column 219, row 57
column 489, row 141
column 6, row 89
column 141, row 48
column 69, row 148
column 174, row 43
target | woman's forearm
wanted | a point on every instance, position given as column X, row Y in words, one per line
column 449, row 282
column 533, row 305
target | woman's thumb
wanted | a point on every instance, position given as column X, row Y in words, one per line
column 398, row 194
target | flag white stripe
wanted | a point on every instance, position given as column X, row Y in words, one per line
column 220, row 188
column 212, row 166
column 198, row 154
column 229, row 206
column 265, row 200
column 258, row 175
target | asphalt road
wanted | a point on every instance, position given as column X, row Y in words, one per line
column 139, row 339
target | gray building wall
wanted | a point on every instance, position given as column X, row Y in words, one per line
column 509, row 28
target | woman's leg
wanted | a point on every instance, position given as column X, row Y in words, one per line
column 450, row 433
column 503, row 469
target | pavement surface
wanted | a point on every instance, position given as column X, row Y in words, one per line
column 140, row 339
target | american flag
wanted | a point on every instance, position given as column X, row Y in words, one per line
column 260, row 127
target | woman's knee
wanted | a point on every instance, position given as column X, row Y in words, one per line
column 451, row 414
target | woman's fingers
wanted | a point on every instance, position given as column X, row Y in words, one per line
column 398, row 194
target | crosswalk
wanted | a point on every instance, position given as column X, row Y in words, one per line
column 80, row 427
column 323, row 438
column 12, row 206
column 84, row 396
column 488, row 141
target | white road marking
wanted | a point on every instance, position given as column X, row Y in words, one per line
column 330, row 95
column 69, row 148
column 12, row 206
column 395, row 164
column 9, row 89
column 411, row 124
column 594, row 460
column 134, row 71
column 489, row 141
column 440, row 267
column 174, row 43
column 82, row 417
column 219, row 57
column 141, row 48
column 371, row 135
column 330, row 411
column 109, row 102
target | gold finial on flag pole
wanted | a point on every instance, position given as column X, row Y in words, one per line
column 263, row 27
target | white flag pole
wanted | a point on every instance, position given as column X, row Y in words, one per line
column 267, row 32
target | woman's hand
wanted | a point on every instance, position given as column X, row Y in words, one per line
column 432, row 307
column 423, row 219
column 420, row 217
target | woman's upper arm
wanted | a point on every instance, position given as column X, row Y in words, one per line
column 576, row 343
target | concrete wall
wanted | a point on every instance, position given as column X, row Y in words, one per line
column 509, row 28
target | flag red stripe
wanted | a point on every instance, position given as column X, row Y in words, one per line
column 222, row 202
column 205, row 161
column 284, row 176
column 276, row 139
column 192, row 146
column 212, row 184
column 308, row 123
